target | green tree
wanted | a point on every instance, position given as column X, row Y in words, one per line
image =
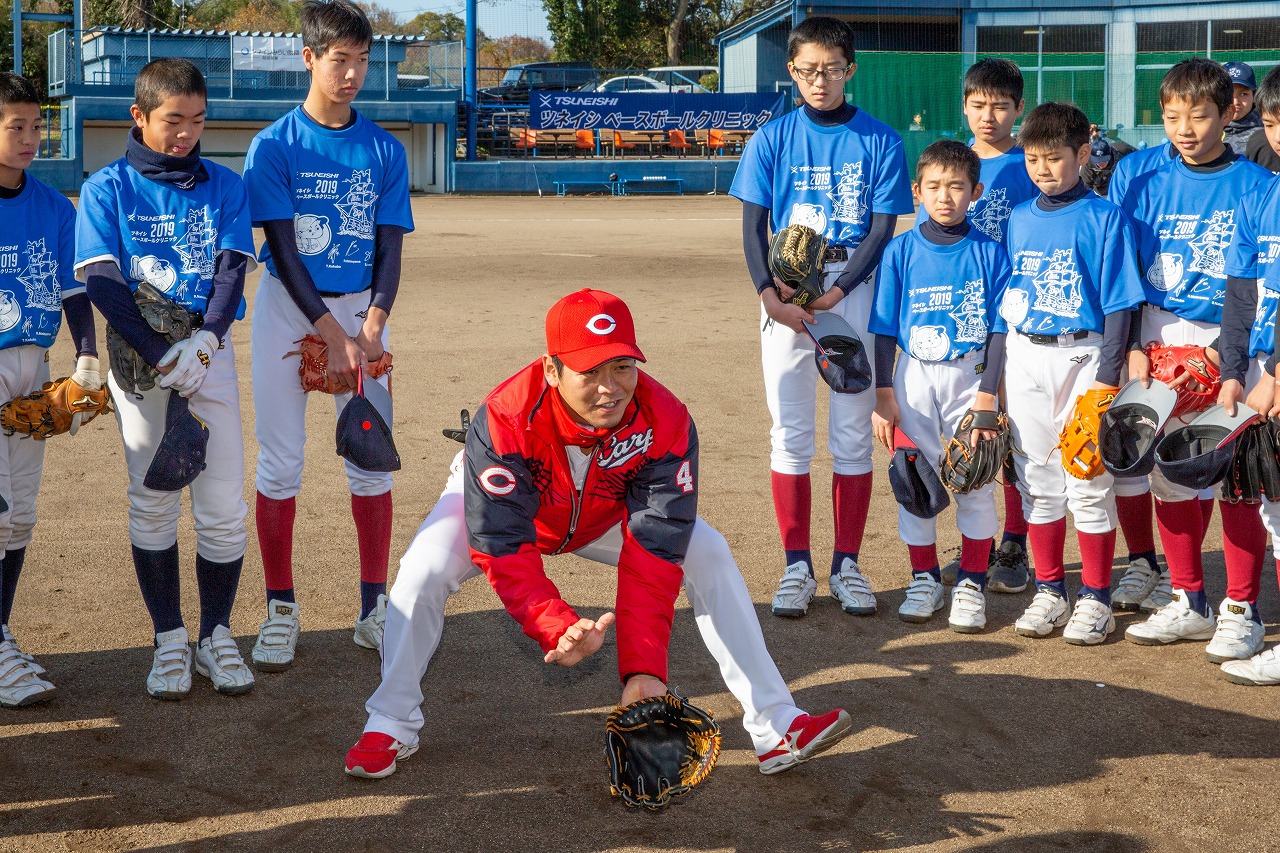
column 440, row 26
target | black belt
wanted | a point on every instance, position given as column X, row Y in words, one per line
column 836, row 254
column 1054, row 340
column 332, row 294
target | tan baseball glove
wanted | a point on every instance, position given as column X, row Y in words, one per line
column 60, row 406
column 313, row 369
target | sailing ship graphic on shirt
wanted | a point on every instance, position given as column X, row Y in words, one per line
column 1210, row 245
column 195, row 247
column 1058, row 287
column 970, row 316
column 995, row 210
column 356, row 205
column 40, row 278
column 848, row 200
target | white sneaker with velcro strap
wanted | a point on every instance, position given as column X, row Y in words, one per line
column 369, row 630
column 218, row 659
column 1171, row 623
column 850, row 587
column 1047, row 611
column 795, row 591
column 170, row 676
column 277, row 637
column 1090, row 623
column 1139, row 581
column 1160, row 596
column 924, row 598
column 1238, row 635
column 968, row 608
column 20, row 684
column 7, row 636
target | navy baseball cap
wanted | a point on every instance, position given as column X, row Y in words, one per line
column 915, row 484
column 1101, row 154
column 1198, row 455
column 840, row 353
column 364, row 429
column 1241, row 75
column 1130, row 428
column 180, row 457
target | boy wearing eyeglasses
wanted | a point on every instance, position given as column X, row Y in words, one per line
column 831, row 166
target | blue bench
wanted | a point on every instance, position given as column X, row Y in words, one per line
column 652, row 184
column 614, row 187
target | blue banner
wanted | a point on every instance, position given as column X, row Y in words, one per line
column 651, row 111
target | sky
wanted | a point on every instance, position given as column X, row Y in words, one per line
column 496, row 17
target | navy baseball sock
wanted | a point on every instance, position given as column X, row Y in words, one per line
column 1097, row 593
column 980, row 578
column 281, row 595
column 1060, row 587
column 10, row 568
column 838, row 558
column 1254, row 614
column 1146, row 555
column 1020, row 538
column 369, row 593
column 159, row 581
column 805, row 557
column 1199, row 601
column 218, row 583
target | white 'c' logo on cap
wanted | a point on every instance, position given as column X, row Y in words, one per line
column 601, row 324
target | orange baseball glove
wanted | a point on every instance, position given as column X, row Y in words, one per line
column 1081, row 454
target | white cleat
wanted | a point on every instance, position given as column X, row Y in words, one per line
column 7, row 636
column 1238, row 636
column 968, row 608
column 1090, row 623
column 277, row 638
column 20, row 684
column 1261, row 670
column 1047, row 611
column 1160, row 596
column 1139, row 582
column 795, row 591
column 1171, row 623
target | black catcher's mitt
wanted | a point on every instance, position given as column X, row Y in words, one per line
column 795, row 256
column 659, row 748
column 965, row 467
column 1254, row 472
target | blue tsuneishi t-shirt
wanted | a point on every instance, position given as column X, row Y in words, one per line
column 1005, row 185
column 37, row 263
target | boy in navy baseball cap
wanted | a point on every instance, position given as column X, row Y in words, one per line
column 1246, row 121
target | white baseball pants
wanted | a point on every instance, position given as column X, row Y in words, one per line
column 791, row 381
column 932, row 397
column 438, row 561
column 280, row 404
column 1042, row 384
column 217, row 494
column 23, row 370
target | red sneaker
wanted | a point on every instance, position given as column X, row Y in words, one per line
column 375, row 755
column 807, row 737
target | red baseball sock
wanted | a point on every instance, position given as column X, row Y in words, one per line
column 974, row 554
column 1206, row 516
column 1015, row 521
column 373, row 533
column 1047, row 542
column 792, row 501
column 850, row 499
column 1097, row 551
column 1244, row 544
column 1181, row 533
column 274, row 519
column 1137, row 522
column 923, row 557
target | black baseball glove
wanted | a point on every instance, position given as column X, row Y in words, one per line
column 796, row 257
column 1254, row 472
column 659, row 748
column 965, row 467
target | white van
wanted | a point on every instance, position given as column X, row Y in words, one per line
column 682, row 78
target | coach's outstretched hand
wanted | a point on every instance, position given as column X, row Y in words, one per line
column 580, row 641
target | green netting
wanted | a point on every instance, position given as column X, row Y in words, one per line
column 896, row 87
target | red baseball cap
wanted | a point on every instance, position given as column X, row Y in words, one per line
column 588, row 328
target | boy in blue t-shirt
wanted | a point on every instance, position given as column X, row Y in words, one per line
column 992, row 104
column 1067, row 307
column 1184, row 215
column 331, row 191
column 936, row 295
column 832, row 167
column 37, row 286
column 163, row 215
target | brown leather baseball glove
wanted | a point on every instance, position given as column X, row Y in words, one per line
column 60, row 406
column 313, row 369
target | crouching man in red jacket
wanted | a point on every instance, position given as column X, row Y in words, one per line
column 580, row 452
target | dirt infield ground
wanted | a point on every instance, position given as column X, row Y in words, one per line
column 989, row 743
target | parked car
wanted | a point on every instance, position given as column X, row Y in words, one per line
column 644, row 83
column 520, row 80
column 682, row 77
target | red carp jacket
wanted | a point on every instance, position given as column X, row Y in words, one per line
column 522, row 502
